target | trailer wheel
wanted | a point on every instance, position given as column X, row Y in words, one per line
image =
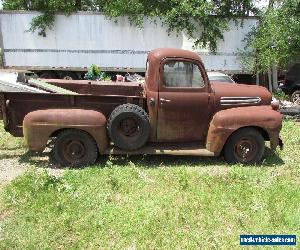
column 128, row 126
column 74, row 148
column 49, row 75
column 245, row 146
column 68, row 75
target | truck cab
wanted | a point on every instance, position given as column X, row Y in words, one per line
column 178, row 96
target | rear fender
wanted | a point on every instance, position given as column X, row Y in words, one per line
column 39, row 125
column 225, row 122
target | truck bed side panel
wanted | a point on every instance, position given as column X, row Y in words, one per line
column 17, row 105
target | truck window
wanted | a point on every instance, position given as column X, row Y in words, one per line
column 182, row 74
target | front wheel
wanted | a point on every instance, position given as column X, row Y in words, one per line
column 245, row 146
column 74, row 148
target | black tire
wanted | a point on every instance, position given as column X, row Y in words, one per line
column 74, row 148
column 246, row 145
column 295, row 98
column 49, row 75
column 128, row 126
column 68, row 76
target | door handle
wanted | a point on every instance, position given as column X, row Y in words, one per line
column 162, row 100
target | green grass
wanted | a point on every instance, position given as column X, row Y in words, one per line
column 280, row 95
column 156, row 202
column 8, row 142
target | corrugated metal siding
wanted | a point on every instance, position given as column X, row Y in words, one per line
column 83, row 39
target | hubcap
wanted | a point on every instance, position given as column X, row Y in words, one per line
column 296, row 98
column 245, row 149
column 74, row 150
column 129, row 127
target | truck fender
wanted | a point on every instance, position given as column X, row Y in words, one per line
column 225, row 122
column 40, row 125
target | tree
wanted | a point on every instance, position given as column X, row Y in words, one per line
column 276, row 41
column 48, row 8
column 203, row 20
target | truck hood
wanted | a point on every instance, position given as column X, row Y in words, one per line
column 239, row 95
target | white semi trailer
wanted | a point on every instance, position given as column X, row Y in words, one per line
column 86, row 38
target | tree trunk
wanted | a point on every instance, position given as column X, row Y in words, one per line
column 271, row 3
column 275, row 77
column 26, row 5
column 270, row 80
column 78, row 4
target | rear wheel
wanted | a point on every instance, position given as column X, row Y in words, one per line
column 74, row 148
column 245, row 146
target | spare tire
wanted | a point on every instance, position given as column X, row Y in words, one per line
column 128, row 126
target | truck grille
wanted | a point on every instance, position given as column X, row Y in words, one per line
column 243, row 100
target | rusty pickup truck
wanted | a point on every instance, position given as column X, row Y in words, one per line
column 176, row 111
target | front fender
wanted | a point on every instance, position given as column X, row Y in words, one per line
column 225, row 122
column 39, row 125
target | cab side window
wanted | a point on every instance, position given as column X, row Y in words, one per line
column 182, row 74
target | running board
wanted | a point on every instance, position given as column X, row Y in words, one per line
column 162, row 150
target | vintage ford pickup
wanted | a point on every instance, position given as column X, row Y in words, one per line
column 176, row 111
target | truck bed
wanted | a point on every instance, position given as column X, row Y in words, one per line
column 99, row 87
column 15, row 106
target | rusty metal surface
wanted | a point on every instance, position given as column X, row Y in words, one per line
column 225, row 122
column 168, row 149
column 20, row 104
column 239, row 95
column 161, row 53
column 39, row 125
column 184, row 118
column 100, row 87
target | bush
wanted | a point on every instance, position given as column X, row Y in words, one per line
column 280, row 95
column 95, row 73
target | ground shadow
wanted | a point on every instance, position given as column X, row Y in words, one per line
column 42, row 160
column 272, row 159
column 6, row 156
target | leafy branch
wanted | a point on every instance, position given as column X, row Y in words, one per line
column 276, row 41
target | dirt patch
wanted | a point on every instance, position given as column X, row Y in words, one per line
column 14, row 163
column 10, row 169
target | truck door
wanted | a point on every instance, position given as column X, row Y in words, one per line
column 183, row 109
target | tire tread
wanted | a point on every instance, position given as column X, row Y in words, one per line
column 128, row 108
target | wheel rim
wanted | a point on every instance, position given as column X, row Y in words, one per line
column 68, row 78
column 129, row 127
column 74, row 150
column 245, row 149
column 296, row 98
